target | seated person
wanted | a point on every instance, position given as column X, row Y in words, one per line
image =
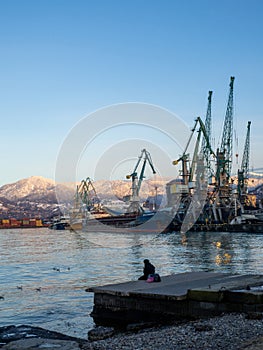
column 149, row 269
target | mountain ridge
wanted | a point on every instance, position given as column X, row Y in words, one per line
column 37, row 196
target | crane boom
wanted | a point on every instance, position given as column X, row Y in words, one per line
column 227, row 137
column 188, row 176
column 245, row 159
column 205, row 145
column 208, row 122
column 136, row 184
column 147, row 157
column 185, row 157
column 87, row 194
column 243, row 172
column 206, row 137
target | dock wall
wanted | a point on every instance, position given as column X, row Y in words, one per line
column 120, row 305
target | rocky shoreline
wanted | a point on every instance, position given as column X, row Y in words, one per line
column 228, row 331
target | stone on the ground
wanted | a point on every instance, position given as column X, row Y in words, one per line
column 37, row 344
column 133, row 327
column 100, row 333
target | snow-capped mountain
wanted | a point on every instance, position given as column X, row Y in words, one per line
column 22, row 188
column 31, row 197
column 37, row 196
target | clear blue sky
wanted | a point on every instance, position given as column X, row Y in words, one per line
column 63, row 59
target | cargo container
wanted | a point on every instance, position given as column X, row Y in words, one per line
column 5, row 221
column 23, row 223
column 14, row 222
column 39, row 223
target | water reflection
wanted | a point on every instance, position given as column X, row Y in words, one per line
column 63, row 264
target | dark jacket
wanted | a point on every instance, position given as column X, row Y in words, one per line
column 149, row 269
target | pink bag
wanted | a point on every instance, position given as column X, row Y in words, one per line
column 150, row 279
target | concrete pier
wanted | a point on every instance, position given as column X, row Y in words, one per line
column 182, row 296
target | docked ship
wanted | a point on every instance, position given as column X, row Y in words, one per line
column 131, row 215
column 205, row 197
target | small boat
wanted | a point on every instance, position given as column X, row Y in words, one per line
column 61, row 223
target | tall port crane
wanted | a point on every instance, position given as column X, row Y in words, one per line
column 86, row 195
column 145, row 158
column 225, row 203
column 188, row 175
column 85, row 201
column 224, row 154
column 205, row 130
column 184, row 158
column 208, row 127
column 193, row 190
column 243, row 172
column 206, row 147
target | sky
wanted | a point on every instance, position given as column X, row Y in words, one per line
column 63, row 60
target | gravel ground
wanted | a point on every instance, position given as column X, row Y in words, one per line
column 230, row 331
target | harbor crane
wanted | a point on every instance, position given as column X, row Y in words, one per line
column 226, row 204
column 145, row 158
column 194, row 180
column 243, row 172
column 188, row 175
column 185, row 159
column 208, row 127
column 224, row 154
column 85, row 200
column 86, row 195
column 206, row 148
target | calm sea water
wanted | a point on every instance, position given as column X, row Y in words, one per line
column 44, row 273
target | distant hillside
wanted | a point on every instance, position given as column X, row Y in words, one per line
column 121, row 188
column 36, row 195
column 36, row 185
column 31, row 197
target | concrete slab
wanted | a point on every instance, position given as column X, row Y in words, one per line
column 178, row 285
column 183, row 295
